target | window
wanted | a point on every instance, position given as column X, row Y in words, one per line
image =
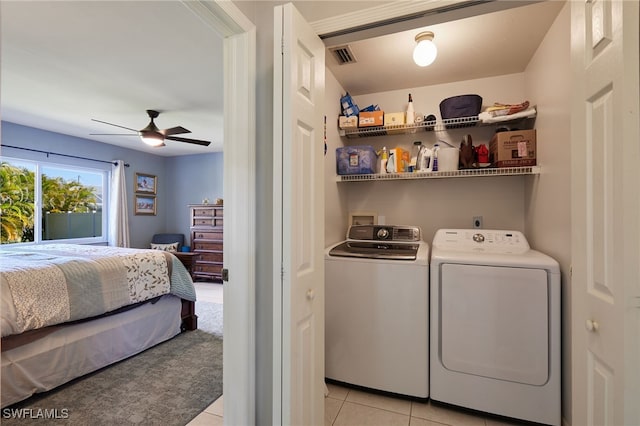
column 47, row 202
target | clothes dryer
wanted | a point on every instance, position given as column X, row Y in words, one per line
column 377, row 310
column 495, row 325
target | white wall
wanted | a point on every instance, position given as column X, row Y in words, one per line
column 335, row 206
column 547, row 197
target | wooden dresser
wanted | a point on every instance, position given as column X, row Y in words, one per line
column 206, row 240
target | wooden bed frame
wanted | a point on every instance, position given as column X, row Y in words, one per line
column 189, row 317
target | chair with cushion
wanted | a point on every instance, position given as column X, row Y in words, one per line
column 167, row 242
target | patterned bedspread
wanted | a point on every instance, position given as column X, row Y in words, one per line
column 43, row 285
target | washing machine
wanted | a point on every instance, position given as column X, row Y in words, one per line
column 377, row 310
column 495, row 325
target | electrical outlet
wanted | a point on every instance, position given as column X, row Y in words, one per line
column 477, row 222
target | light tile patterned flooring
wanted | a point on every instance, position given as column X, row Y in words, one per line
column 344, row 406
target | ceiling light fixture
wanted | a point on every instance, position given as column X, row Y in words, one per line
column 151, row 134
column 425, row 51
column 152, row 138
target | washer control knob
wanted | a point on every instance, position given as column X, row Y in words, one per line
column 478, row 238
column 383, row 233
column 592, row 325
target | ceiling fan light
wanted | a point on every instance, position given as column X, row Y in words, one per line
column 152, row 138
column 425, row 51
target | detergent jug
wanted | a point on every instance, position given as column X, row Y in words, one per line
column 423, row 159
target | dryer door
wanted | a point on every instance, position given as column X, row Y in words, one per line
column 494, row 322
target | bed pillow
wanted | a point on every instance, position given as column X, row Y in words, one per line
column 165, row 247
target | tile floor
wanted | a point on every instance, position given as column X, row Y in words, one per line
column 345, row 406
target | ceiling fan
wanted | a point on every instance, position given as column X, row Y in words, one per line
column 153, row 136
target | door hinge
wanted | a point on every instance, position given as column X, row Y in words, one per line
column 225, row 274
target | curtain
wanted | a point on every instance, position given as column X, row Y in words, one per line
column 118, row 212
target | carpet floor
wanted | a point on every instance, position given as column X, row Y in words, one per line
column 168, row 384
column 209, row 317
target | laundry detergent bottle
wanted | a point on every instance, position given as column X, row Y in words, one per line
column 384, row 157
column 423, row 162
column 391, row 163
column 434, row 166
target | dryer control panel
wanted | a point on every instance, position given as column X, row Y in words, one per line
column 494, row 241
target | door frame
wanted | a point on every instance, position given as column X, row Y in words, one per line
column 239, row 58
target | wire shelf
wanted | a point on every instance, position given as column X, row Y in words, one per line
column 425, row 126
column 479, row 172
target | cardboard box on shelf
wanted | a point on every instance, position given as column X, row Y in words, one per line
column 513, row 149
column 394, row 119
column 356, row 160
column 348, row 122
column 371, row 118
column 401, row 160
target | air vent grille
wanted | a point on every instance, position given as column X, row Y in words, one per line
column 343, row 54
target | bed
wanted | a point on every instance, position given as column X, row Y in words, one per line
column 68, row 310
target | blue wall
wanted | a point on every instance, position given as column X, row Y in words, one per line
column 191, row 179
column 181, row 180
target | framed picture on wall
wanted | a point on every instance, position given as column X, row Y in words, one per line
column 145, row 184
column 145, row 205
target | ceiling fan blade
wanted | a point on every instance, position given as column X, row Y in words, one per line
column 194, row 141
column 113, row 134
column 116, row 125
column 174, row 131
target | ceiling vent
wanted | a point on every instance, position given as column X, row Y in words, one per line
column 343, row 54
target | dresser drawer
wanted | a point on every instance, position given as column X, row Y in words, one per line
column 210, row 256
column 208, row 268
column 200, row 246
column 207, row 212
column 207, row 221
column 208, row 235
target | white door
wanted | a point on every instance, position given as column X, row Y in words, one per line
column 299, row 219
column 605, row 149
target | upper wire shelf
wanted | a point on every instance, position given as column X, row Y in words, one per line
column 424, row 126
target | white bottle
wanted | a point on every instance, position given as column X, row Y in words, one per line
column 424, row 163
column 391, row 164
column 434, row 158
column 411, row 115
column 384, row 157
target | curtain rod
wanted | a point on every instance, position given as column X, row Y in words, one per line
column 61, row 155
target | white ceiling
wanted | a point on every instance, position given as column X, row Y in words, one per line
column 66, row 63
